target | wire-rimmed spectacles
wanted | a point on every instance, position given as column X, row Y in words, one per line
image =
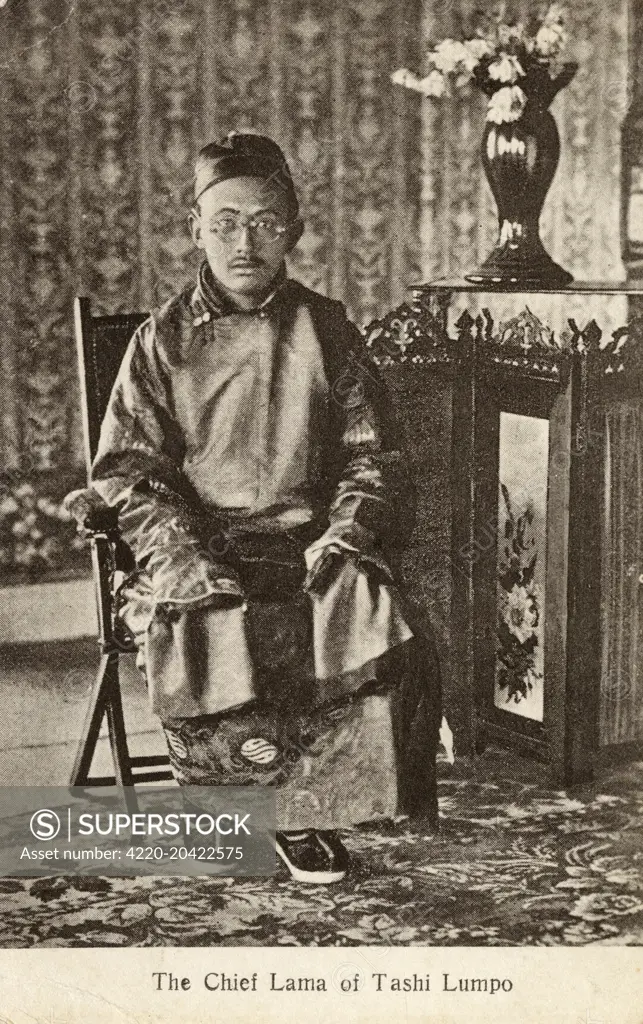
column 265, row 228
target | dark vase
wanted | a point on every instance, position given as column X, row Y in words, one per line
column 520, row 160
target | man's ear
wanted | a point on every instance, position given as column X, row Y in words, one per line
column 194, row 221
column 295, row 231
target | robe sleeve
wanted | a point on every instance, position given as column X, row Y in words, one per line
column 372, row 506
column 137, row 469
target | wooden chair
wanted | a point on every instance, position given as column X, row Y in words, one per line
column 101, row 342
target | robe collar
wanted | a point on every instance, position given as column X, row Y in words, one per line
column 209, row 301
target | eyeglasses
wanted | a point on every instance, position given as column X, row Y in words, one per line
column 264, row 229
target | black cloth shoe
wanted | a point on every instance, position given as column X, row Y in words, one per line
column 314, row 857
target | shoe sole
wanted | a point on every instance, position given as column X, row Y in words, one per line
column 313, row 877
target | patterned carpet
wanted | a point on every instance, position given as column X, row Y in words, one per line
column 515, row 863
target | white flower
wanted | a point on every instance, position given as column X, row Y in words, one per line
column 551, row 36
column 550, row 40
column 448, row 54
column 49, row 546
column 433, row 85
column 405, row 77
column 27, row 554
column 507, row 104
column 8, row 505
column 506, row 69
column 510, row 35
column 475, row 50
column 520, row 612
column 555, row 14
column 24, row 491
column 46, row 506
column 50, row 549
column 478, row 48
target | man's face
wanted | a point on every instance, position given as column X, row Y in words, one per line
column 243, row 226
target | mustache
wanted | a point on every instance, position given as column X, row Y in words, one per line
column 247, row 261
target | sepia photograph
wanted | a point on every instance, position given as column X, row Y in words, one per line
column 321, row 479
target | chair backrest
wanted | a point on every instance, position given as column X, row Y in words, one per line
column 100, row 344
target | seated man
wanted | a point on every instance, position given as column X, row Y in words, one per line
column 248, row 448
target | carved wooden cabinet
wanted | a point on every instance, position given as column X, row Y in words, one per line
column 545, row 638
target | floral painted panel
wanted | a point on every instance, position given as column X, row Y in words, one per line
column 521, row 564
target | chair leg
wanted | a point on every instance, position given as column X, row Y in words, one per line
column 92, row 724
column 116, row 726
column 105, row 701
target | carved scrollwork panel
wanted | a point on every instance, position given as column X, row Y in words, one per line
column 617, row 366
column 412, row 334
column 524, row 345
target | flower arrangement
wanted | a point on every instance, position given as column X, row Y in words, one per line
column 507, row 61
column 519, row 602
column 37, row 535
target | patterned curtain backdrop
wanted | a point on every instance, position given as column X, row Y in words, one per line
column 104, row 108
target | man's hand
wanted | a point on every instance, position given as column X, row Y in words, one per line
column 324, row 571
column 183, row 575
column 343, row 540
column 92, row 514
